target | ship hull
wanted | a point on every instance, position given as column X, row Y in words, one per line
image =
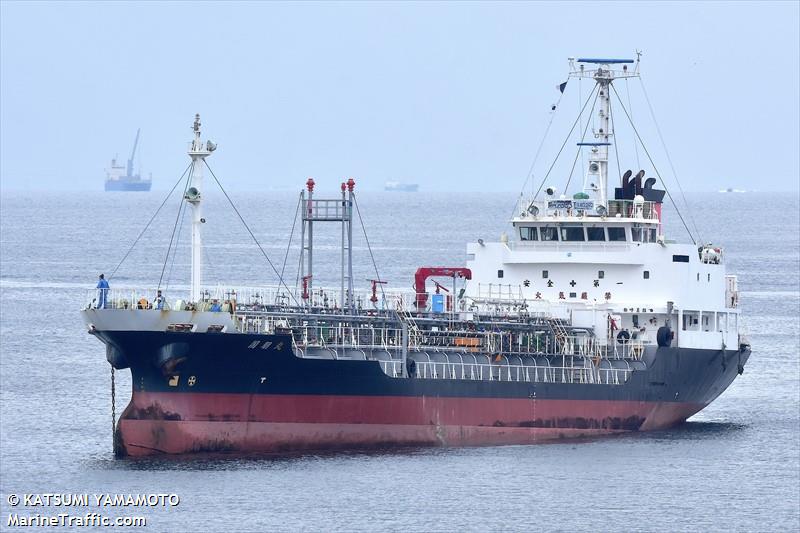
column 154, row 423
column 218, row 394
column 119, row 185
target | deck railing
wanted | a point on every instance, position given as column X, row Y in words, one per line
column 519, row 373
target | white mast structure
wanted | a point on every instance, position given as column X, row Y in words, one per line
column 198, row 153
column 596, row 180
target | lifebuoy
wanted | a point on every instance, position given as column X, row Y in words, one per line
column 623, row 336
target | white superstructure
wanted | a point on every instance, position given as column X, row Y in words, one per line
column 605, row 263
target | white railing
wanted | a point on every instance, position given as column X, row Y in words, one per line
column 525, row 373
column 128, row 298
column 627, row 208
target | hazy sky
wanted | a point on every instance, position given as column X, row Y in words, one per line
column 451, row 96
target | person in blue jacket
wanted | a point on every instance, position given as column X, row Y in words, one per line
column 102, row 292
column 159, row 301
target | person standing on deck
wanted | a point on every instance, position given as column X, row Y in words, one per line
column 102, row 292
column 159, row 301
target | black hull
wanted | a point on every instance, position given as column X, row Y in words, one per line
column 216, row 392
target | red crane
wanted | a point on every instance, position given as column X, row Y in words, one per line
column 375, row 283
column 423, row 273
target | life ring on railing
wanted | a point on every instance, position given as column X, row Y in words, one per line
column 411, row 366
column 623, row 336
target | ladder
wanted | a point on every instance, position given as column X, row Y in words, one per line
column 414, row 333
column 560, row 333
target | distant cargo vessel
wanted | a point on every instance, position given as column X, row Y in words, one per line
column 122, row 178
column 400, row 186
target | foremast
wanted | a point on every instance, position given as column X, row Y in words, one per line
column 197, row 152
column 596, row 181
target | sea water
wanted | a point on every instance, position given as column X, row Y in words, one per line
column 734, row 466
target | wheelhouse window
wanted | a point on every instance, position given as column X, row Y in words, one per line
column 545, row 274
column 646, row 274
column 595, row 234
column 529, row 234
column 572, row 234
column 653, row 236
column 601, row 274
column 636, row 234
column 616, row 234
column 499, row 273
column 549, row 234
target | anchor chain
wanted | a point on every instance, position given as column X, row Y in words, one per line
column 113, row 408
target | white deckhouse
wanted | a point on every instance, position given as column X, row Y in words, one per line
column 605, row 262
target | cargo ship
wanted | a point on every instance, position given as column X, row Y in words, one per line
column 399, row 186
column 587, row 321
column 122, row 178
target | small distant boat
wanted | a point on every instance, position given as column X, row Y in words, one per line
column 122, row 178
column 729, row 189
column 396, row 186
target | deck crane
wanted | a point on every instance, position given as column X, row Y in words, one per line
column 133, row 153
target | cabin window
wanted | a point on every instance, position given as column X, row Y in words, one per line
column 595, row 234
column 499, row 273
column 529, row 234
column 601, row 274
column 572, row 234
column 646, row 274
column 549, row 234
column 653, row 236
column 698, row 276
column 709, row 277
column 616, row 234
column 680, row 258
column 573, row 295
column 636, row 234
column 545, row 274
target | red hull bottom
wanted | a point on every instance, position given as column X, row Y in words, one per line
column 183, row 423
column 264, row 437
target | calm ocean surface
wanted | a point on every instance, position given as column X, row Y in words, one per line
column 735, row 466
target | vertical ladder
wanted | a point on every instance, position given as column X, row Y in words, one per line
column 560, row 333
column 414, row 334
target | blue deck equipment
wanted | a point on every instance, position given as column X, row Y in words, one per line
column 437, row 303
